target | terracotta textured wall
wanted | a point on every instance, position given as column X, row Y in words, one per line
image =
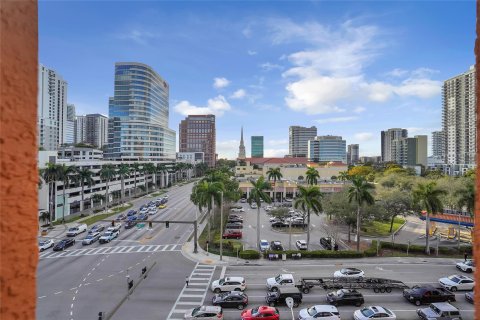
column 476, row 247
column 18, row 154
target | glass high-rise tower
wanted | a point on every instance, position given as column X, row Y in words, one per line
column 138, row 115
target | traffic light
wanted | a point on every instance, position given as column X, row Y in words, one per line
column 150, row 225
column 144, row 270
column 130, row 284
column 113, row 223
column 167, row 223
column 100, row 315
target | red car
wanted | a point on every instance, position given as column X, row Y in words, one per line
column 262, row 312
column 232, row 234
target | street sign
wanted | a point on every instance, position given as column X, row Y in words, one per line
column 289, row 301
column 140, row 225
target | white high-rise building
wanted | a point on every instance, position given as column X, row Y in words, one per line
column 386, row 139
column 459, row 119
column 52, row 109
column 69, row 136
column 80, row 129
column 298, row 140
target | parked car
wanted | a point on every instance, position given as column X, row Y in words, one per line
column 427, row 294
column 439, row 311
column 234, row 225
column 109, row 236
column 243, row 200
column 130, row 224
column 467, row 266
column 204, row 313
column 232, row 299
column 237, row 210
column 268, row 208
column 321, row 312
column 132, row 212
column 457, row 282
column 233, row 220
column 235, row 216
column 45, row 244
column 232, row 234
column 469, row 296
column 229, row 284
column 374, row 312
column 278, row 298
column 345, row 297
column 121, row 216
column 349, row 273
column 326, row 242
column 280, row 281
column 279, row 224
column 97, row 228
column 276, row 246
column 63, row 244
column 301, row 244
column 76, row 230
column 253, row 205
column 91, row 238
column 288, row 200
column 261, row 313
column 264, row 245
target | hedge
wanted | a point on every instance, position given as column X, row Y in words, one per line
column 318, row 254
column 249, row 254
column 372, row 251
column 421, row 249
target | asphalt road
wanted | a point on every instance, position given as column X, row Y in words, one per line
column 78, row 284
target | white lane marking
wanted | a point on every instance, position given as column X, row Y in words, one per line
column 71, row 313
column 71, row 306
column 222, row 274
column 99, row 279
column 88, row 275
column 73, row 288
column 76, row 292
column 111, row 275
column 42, row 297
column 84, row 279
column 73, row 298
column 58, row 292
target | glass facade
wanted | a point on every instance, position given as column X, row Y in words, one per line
column 327, row 148
column 257, row 146
column 138, row 115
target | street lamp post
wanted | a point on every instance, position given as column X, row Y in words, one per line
column 221, row 225
column 290, row 234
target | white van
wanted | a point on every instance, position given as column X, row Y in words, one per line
column 79, row 228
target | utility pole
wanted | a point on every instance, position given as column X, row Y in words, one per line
column 221, row 225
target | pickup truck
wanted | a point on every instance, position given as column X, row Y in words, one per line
column 109, row 236
column 427, row 294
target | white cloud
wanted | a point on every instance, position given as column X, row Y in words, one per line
column 337, row 119
column 359, row 109
column 275, row 143
column 138, row 36
column 364, row 136
column 267, row 66
column 251, row 52
column 411, row 87
column 219, row 83
column 239, row 94
column 228, row 148
column 397, row 72
column 217, row 106
column 275, row 153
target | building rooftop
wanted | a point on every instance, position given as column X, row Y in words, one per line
column 277, row 160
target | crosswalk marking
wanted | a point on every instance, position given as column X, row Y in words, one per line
column 110, row 250
column 188, row 297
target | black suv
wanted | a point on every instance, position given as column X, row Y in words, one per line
column 278, row 298
column 327, row 243
column 232, row 299
column 345, row 297
column 234, row 225
column 276, row 246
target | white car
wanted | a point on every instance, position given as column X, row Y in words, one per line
column 108, row 236
column 282, row 280
column 467, row 266
column 254, row 205
column 456, row 282
column 349, row 273
column 301, row 244
column 229, row 284
column 374, row 312
column 144, row 211
column 45, row 244
column 243, row 200
column 264, row 245
column 237, row 210
column 152, row 211
column 323, row 312
column 204, row 313
column 268, row 208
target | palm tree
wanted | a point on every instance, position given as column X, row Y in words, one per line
column 466, row 196
column 312, row 176
column 205, row 195
column 107, row 173
column 135, row 167
column 427, row 196
column 148, row 170
column 123, row 171
column 274, row 173
column 359, row 193
column 162, row 169
column 84, row 176
column 343, row 176
column 257, row 193
column 309, row 200
column 44, row 216
column 66, row 176
column 51, row 174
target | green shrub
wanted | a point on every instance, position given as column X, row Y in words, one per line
column 249, row 254
column 372, row 251
column 318, row 254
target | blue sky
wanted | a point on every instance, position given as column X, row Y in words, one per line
column 348, row 68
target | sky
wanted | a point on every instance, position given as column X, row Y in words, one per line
column 349, row 68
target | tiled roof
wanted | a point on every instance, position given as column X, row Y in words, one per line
column 277, row 160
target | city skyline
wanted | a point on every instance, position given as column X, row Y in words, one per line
column 265, row 68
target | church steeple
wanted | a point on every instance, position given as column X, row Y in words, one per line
column 241, row 149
